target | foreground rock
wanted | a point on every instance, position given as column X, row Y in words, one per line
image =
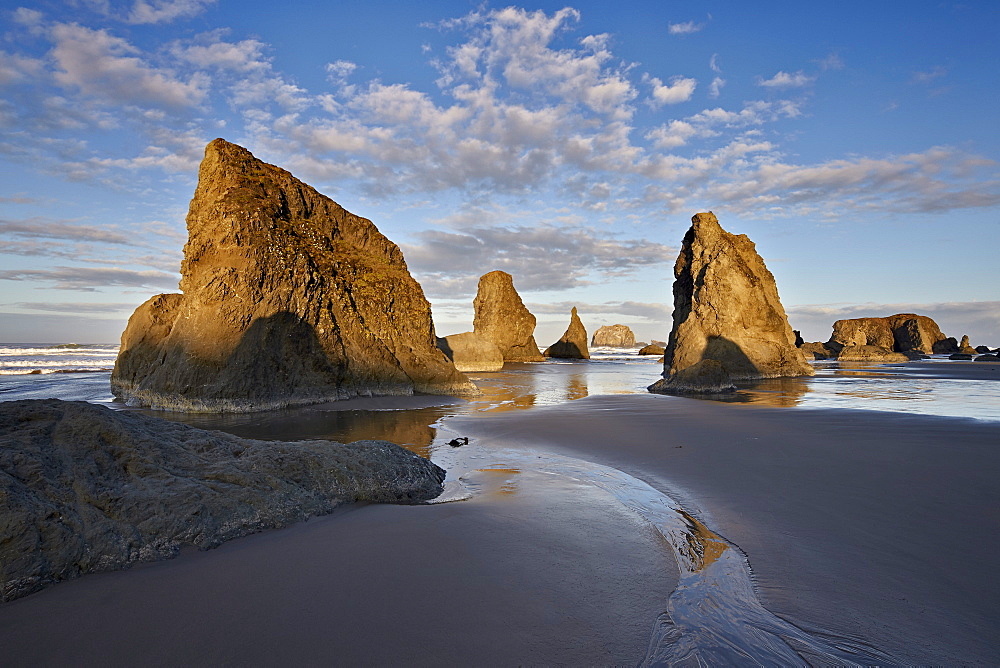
column 501, row 318
column 900, row 333
column 287, row 299
column 573, row 344
column 85, row 489
column 613, row 336
column 726, row 308
column 471, row 352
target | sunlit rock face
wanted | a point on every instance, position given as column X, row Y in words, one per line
column 287, row 299
column 573, row 344
column 613, row 336
column 471, row 352
column 726, row 308
column 901, row 333
column 502, row 318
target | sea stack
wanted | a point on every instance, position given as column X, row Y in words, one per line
column 900, row 333
column 726, row 308
column 501, row 318
column 287, row 299
column 613, row 336
column 573, row 344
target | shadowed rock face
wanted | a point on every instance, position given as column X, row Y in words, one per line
column 85, row 489
column 726, row 308
column 573, row 344
column 471, row 352
column 288, row 299
column 502, row 318
column 613, row 336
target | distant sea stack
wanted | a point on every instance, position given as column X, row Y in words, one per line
column 501, row 318
column 613, row 336
column 287, row 299
column 573, row 344
column 726, row 309
column 899, row 337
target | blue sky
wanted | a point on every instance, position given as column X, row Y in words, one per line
column 855, row 142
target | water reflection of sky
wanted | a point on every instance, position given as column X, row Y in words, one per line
column 927, row 390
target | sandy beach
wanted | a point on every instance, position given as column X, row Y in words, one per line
column 867, row 529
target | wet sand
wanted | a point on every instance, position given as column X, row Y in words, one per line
column 528, row 572
column 858, row 524
column 872, row 528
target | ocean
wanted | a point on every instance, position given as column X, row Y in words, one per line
column 81, row 372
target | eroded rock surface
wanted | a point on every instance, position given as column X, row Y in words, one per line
column 899, row 333
column 502, row 318
column 471, row 352
column 865, row 353
column 726, row 308
column 287, row 299
column 85, row 489
column 573, row 344
column 613, row 336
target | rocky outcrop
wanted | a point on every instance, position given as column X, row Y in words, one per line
column 471, row 352
column 965, row 347
column 613, row 336
column 85, row 489
column 573, row 344
column 899, row 333
column 947, row 345
column 814, row 350
column 652, row 349
column 726, row 308
column 502, row 318
column 865, row 353
column 287, row 299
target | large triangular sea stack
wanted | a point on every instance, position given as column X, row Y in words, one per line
column 288, row 299
column 728, row 321
column 502, row 318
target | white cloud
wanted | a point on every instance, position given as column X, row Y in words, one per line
column 715, row 88
column 40, row 228
column 211, row 52
column 686, row 28
column 713, row 63
column 16, row 68
column 542, row 257
column 164, row 11
column 832, row 62
column 929, row 76
column 90, row 279
column 786, row 80
column 680, row 90
column 108, row 68
column 647, row 310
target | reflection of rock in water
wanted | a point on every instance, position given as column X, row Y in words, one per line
column 699, row 547
column 409, row 428
column 576, row 387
